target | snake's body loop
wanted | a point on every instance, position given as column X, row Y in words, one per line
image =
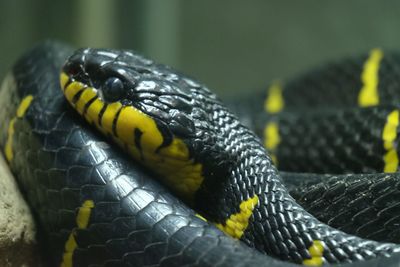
column 96, row 208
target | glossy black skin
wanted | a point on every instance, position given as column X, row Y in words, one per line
column 236, row 166
column 60, row 161
column 133, row 77
column 365, row 205
column 340, row 138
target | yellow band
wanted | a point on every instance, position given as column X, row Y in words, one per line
column 369, row 95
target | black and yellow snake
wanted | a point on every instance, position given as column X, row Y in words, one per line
column 96, row 207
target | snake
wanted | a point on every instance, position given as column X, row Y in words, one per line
column 127, row 162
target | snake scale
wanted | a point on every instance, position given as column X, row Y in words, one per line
column 97, row 207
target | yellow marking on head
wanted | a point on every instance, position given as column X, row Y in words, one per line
column 272, row 139
column 21, row 110
column 274, row 102
column 237, row 223
column 316, row 251
column 369, row 95
column 389, row 135
column 172, row 162
column 182, row 172
column 131, row 119
column 108, row 116
column 177, row 150
column 86, row 95
column 72, row 89
column 63, row 79
column 82, row 221
column 93, row 112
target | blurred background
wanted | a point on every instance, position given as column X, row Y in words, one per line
column 231, row 45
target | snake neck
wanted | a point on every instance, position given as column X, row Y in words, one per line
column 237, row 166
column 248, row 191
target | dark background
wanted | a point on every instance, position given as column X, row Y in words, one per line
column 230, row 45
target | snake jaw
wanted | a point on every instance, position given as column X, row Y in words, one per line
column 153, row 91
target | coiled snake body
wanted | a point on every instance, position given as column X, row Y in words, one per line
column 98, row 208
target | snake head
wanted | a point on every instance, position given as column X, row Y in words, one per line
column 131, row 80
column 147, row 108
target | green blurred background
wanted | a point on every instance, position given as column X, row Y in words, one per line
column 230, row 45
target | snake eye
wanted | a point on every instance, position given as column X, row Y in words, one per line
column 113, row 89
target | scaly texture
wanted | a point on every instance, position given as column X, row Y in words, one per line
column 60, row 163
column 365, row 205
column 237, row 176
column 94, row 204
column 339, row 118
